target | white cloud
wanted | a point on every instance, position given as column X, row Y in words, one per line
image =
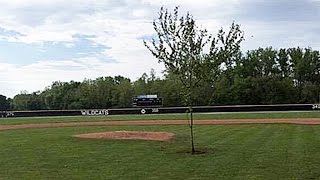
column 280, row 35
column 34, row 77
column 120, row 24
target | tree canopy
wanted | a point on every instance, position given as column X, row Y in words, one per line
column 260, row 76
column 180, row 45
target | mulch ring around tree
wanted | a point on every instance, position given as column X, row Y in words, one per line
column 132, row 135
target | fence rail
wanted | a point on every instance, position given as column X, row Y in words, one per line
column 161, row 110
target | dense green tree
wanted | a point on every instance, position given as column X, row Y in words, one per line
column 35, row 101
column 86, row 94
column 306, row 70
column 141, row 85
column 21, row 101
column 261, row 76
column 284, row 64
column 4, row 103
column 170, row 90
column 62, row 95
column 123, row 92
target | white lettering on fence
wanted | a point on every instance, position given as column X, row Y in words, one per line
column 155, row 110
column 4, row 114
column 316, row 106
column 95, row 112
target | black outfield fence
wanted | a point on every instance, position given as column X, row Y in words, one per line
column 161, row 110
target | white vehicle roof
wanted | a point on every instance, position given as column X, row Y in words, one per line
column 148, row 96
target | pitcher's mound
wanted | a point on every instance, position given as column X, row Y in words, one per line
column 141, row 135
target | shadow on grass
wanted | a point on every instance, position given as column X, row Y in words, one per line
column 198, row 151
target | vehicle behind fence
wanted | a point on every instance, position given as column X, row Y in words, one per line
column 147, row 101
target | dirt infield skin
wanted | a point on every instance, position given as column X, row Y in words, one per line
column 310, row 121
column 129, row 135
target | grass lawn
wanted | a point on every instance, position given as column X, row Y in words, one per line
column 311, row 114
column 261, row 151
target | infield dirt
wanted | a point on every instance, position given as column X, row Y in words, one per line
column 140, row 135
column 310, row 121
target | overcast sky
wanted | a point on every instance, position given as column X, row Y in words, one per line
column 42, row 41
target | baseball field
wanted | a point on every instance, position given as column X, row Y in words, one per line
column 232, row 146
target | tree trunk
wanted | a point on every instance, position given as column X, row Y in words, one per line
column 191, row 130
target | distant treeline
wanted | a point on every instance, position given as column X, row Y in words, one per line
column 261, row 76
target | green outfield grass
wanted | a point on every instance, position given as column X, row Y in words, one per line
column 233, row 152
column 257, row 151
column 312, row 114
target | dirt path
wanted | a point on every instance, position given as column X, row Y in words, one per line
column 313, row 121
